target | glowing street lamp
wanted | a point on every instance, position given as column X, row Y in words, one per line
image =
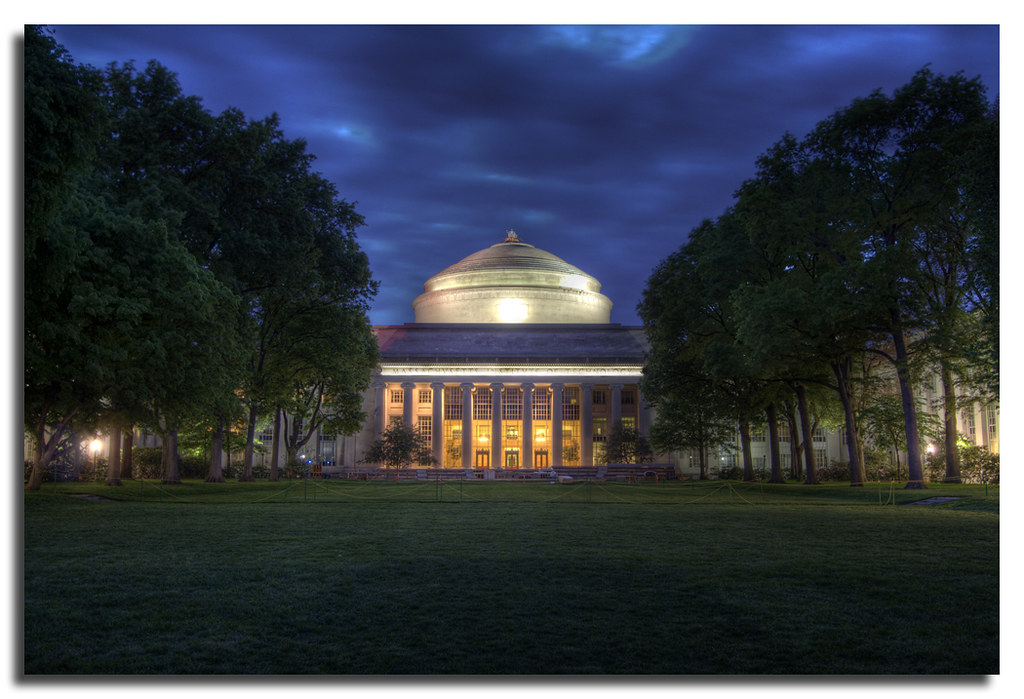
column 95, row 446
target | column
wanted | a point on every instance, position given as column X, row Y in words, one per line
column 642, row 415
column 526, row 456
column 556, row 423
column 437, row 424
column 496, row 453
column 616, row 406
column 467, row 425
column 380, row 408
column 407, row 404
column 587, row 424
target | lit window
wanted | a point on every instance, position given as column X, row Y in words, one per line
column 452, row 403
column 398, row 396
column 425, row 426
column 512, row 404
column 571, row 403
column 482, row 404
column 969, row 423
column 426, row 395
column 541, row 404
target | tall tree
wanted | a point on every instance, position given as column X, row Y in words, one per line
column 65, row 376
column 901, row 156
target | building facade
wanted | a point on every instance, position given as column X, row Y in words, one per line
column 511, row 363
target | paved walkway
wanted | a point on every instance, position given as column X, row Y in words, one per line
column 933, row 501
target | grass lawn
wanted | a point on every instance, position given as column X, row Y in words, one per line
column 509, row 578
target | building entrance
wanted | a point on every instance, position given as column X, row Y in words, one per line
column 540, row 458
column 483, row 458
column 511, row 458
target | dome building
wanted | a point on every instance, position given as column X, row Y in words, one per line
column 512, row 282
column 511, row 363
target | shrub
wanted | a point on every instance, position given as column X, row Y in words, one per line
column 193, row 466
column 147, row 462
column 835, row 471
column 977, row 465
column 731, row 473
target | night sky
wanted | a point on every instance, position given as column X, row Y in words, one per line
column 604, row 145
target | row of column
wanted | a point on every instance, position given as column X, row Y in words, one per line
column 437, row 431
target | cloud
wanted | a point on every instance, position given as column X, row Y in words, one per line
column 605, row 145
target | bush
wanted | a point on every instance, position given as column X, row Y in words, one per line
column 730, row 473
column 835, row 471
column 147, row 462
column 977, row 465
column 193, row 466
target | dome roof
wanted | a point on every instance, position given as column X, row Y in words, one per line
column 515, row 255
column 512, row 281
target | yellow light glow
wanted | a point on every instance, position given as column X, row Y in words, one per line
column 512, row 311
column 541, row 436
column 483, row 438
column 573, row 281
column 95, row 445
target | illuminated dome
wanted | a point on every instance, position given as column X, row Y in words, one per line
column 512, row 282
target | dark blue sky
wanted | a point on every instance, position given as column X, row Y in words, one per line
column 604, row 145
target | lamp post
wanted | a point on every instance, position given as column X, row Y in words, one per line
column 95, row 446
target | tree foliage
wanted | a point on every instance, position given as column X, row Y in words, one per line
column 874, row 236
column 178, row 264
column 399, row 447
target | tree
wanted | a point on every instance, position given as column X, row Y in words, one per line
column 688, row 418
column 901, row 156
column 626, row 445
column 883, row 420
column 63, row 119
column 399, row 447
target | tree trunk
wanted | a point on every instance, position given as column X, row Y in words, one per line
column 795, row 469
column 46, row 448
column 949, row 405
column 915, row 474
column 250, row 438
column 114, row 456
column 748, row 461
column 275, row 451
column 703, row 460
column 172, row 474
column 805, row 428
column 842, row 370
column 216, row 471
column 128, row 443
column 41, row 460
column 773, row 444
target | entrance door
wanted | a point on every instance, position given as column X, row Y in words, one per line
column 483, row 458
column 540, row 458
column 511, row 458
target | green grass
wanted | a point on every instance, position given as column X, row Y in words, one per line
column 509, row 578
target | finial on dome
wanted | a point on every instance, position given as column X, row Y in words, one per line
column 511, row 237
